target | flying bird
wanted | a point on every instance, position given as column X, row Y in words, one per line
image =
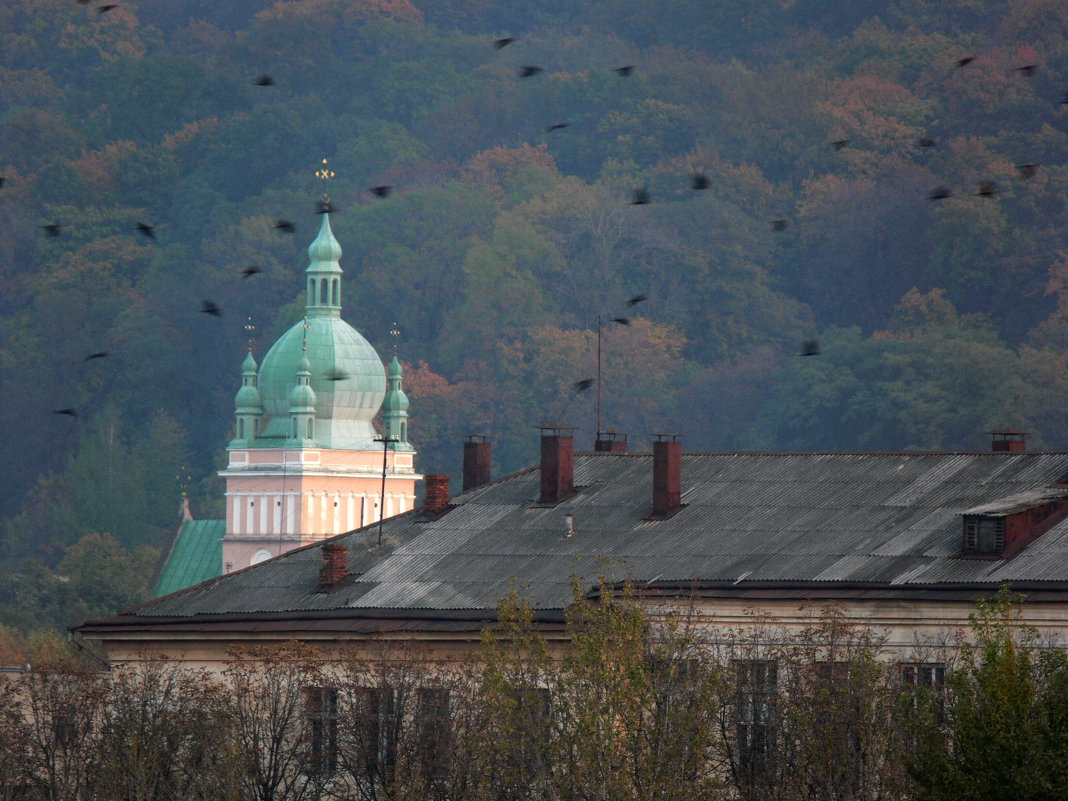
column 2, row 179
column 964, row 62
column 625, row 71
column 207, row 307
column 529, row 70
column 106, row 8
column 146, row 229
column 248, row 272
column 640, row 196
column 263, row 80
column 98, row 355
column 810, row 347
column 285, row 226
column 1027, row 170
column 699, row 181
column 840, row 144
column 52, row 229
column 336, row 375
column 987, row 189
column 1027, row 70
column 503, row 42
column 636, row 300
column 926, row 141
column 583, row 385
column 556, row 126
column 940, row 193
column 67, row 412
column 780, row 224
column 621, row 320
column 381, row 191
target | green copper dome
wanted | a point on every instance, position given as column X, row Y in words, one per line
column 347, row 375
column 247, row 400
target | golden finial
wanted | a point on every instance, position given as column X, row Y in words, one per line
column 250, row 330
column 305, row 326
column 324, row 173
column 395, row 333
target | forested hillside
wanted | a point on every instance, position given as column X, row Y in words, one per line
column 888, row 178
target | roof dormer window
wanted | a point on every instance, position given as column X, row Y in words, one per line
column 984, row 534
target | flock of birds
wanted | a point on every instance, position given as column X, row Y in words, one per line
column 640, row 196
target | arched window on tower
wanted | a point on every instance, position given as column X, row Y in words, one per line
column 240, row 428
column 324, row 292
column 295, row 432
column 311, row 292
column 404, row 432
column 334, row 294
column 311, row 430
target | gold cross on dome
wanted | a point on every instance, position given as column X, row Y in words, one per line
column 249, row 329
column 324, row 173
column 305, row 326
column 395, row 333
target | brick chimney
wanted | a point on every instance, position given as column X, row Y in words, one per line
column 609, row 440
column 334, row 568
column 437, row 493
column 476, row 461
column 1008, row 440
column 557, row 462
column 667, row 475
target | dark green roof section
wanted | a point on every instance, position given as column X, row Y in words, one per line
column 195, row 557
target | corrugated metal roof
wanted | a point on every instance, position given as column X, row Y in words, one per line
column 880, row 519
column 196, row 556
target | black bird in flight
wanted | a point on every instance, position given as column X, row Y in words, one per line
column 2, row 179
column 557, row 126
column 940, row 193
column 640, row 196
column 248, row 272
column 1027, row 170
column 529, row 70
column 98, row 355
column 381, row 191
column 636, row 300
column 621, row 320
column 699, row 181
column 146, row 229
column 964, row 62
column 207, row 307
column 1027, row 70
column 503, row 42
column 106, row 8
column 336, row 375
column 52, row 229
column 987, row 189
column 583, row 385
column 840, row 144
column 67, row 412
column 285, row 226
column 625, row 71
column 780, row 224
column 810, row 347
column 264, row 80
column 926, row 141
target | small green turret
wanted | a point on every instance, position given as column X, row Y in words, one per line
column 395, row 409
column 302, row 406
column 248, row 406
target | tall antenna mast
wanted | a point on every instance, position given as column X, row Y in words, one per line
column 597, row 433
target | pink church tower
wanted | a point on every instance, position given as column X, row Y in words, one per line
column 306, row 462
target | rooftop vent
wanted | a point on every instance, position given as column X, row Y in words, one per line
column 667, row 475
column 1008, row 440
column 437, row 494
column 334, row 568
column 557, row 462
column 476, row 461
column 609, row 440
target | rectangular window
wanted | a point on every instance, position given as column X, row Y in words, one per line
column 931, row 675
column 757, row 687
column 321, row 719
column 375, row 733
column 984, row 534
column 434, row 728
